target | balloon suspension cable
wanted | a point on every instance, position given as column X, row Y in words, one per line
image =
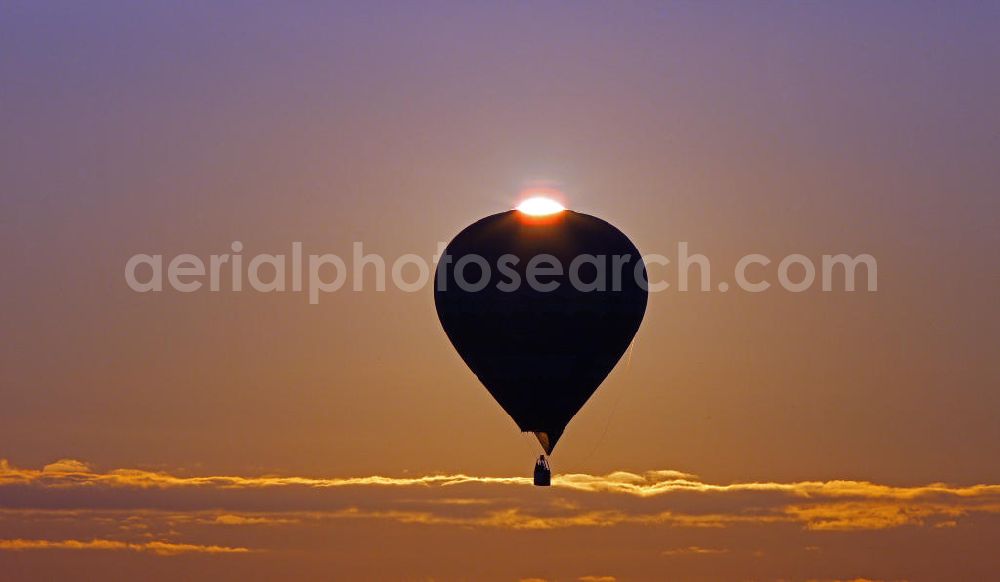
column 618, row 400
column 529, row 442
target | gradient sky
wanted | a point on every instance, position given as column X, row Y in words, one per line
column 754, row 127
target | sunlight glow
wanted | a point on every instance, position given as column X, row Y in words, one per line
column 540, row 206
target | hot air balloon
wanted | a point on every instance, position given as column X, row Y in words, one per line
column 541, row 303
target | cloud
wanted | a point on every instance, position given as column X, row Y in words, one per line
column 662, row 498
column 883, row 515
column 70, row 472
column 67, row 466
column 648, row 520
column 160, row 548
column 694, row 550
column 232, row 519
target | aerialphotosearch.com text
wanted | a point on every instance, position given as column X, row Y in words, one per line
column 316, row 274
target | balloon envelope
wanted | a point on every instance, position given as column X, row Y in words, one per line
column 543, row 346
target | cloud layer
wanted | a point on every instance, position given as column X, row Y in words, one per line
column 654, row 498
column 158, row 547
column 638, row 521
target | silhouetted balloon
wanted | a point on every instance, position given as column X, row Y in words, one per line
column 541, row 354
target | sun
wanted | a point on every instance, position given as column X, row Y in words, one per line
column 540, row 206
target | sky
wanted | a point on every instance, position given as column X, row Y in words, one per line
column 774, row 435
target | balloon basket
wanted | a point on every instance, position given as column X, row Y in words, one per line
column 543, row 473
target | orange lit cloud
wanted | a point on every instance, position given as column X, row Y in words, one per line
column 160, row 548
column 233, row 519
column 653, row 498
column 664, row 519
column 694, row 550
column 69, row 472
